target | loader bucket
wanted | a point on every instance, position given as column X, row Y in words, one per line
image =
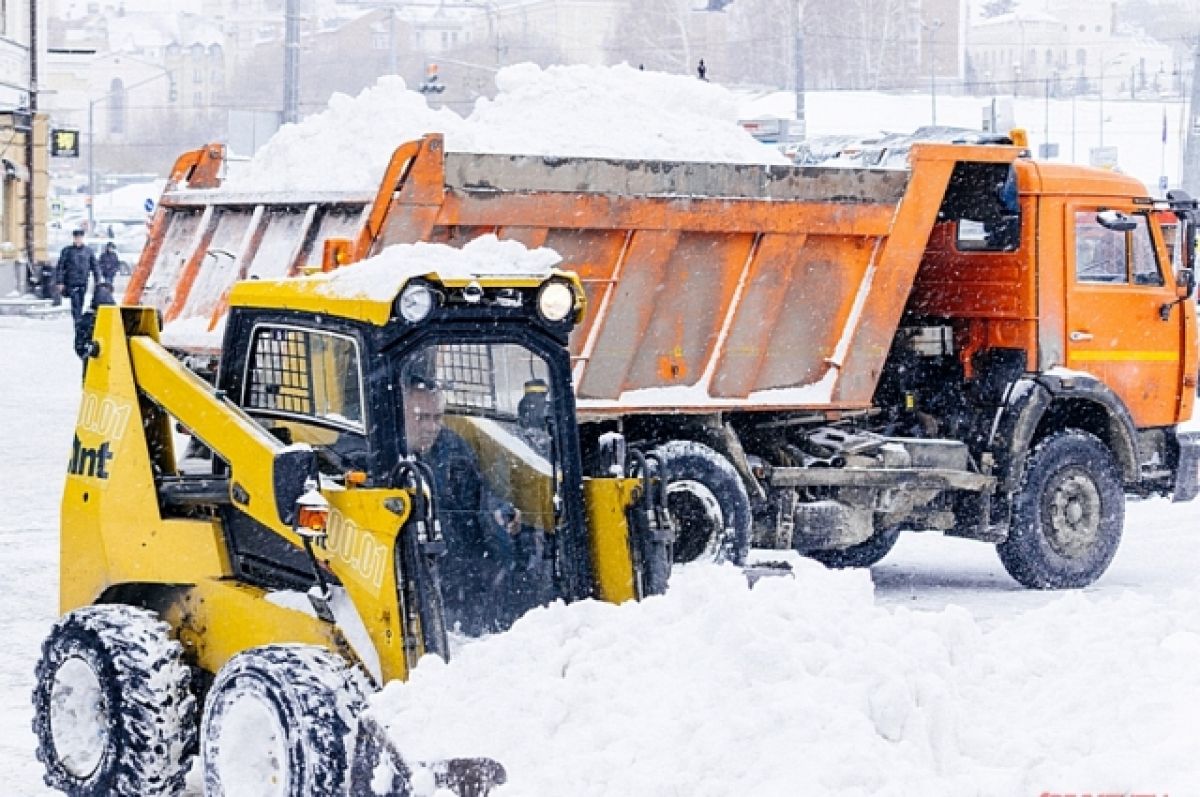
column 379, row 770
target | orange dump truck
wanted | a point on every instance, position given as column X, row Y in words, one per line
column 980, row 344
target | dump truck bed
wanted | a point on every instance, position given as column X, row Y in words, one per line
column 710, row 286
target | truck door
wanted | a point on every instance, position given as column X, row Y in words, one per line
column 1117, row 287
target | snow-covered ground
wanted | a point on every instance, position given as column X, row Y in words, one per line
column 935, row 675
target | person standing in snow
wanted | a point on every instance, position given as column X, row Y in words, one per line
column 702, row 70
column 76, row 265
column 110, row 264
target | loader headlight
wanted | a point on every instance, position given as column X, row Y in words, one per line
column 416, row 301
column 556, row 300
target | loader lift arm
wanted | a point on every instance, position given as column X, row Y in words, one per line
column 265, row 476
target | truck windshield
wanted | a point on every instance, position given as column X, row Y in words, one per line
column 478, row 414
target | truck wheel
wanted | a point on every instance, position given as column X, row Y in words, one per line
column 864, row 554
column 280, row 721
column 707, row 502
column 1067, row 514
column 113, row 713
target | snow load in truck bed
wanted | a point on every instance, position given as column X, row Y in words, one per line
column 382, row 276
column 568, row 111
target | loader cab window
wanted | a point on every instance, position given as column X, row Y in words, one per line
column 306, row 386
column 1105, row 255
column 479, row 416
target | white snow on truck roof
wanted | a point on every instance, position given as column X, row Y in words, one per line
column 381, row 276
column 564, row 111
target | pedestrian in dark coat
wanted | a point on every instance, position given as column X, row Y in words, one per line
column 76, row 265
column 110, row 264
column 87, row 322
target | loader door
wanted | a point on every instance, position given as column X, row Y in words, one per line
column 1118, row 329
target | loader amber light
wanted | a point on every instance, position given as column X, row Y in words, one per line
column 315, row 518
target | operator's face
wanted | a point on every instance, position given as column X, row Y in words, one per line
column 423, row 411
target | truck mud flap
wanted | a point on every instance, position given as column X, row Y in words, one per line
column 379, row 770
column 1187, row 470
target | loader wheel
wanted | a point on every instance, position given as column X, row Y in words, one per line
column 864, row 554
column 1067, row 514
column 113, row 713
column 280, row 721
column 707, row 502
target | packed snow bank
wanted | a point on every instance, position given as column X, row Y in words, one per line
column 807, row 686
column 614, row 112
column 380, row 277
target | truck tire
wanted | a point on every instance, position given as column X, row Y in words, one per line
column 280, row 721
column 1067, row 514
column 113, row 712
column 707, row 502
column 864, row 554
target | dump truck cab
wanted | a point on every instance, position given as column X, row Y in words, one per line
column 388, row 460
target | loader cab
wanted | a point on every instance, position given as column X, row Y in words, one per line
column 464, row 383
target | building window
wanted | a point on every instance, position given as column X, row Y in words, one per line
column 116, row 107
column 379, row 41
column 197, row 75
column 1081, row 57
column 198, row 98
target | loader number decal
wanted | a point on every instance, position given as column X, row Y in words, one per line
column 357, row 548
column 105, row 418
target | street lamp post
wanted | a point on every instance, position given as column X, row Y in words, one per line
column 91, row 139
column 1103, row 66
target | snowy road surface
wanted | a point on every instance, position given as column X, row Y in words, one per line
column 944, row 679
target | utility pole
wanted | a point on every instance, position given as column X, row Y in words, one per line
column 29, row 135
column 801, row 130
column 1191, row 151
column 291, row 63
column 932, row 27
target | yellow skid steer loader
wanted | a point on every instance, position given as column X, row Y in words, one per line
column 363, row 476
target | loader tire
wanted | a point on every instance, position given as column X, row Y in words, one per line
column 707, row 502
column 864, row 554
column 280, row 721
column 113, row 712
column 1067, row 514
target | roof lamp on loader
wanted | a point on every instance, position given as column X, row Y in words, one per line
column 312, row 544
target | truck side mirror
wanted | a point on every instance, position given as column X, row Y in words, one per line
column 1115, row 220
column 1185, row 282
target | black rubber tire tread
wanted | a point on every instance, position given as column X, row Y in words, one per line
column 318, row 696
column 151, row 711
column 865, row 554
column 685, row 460
column 1027, row 555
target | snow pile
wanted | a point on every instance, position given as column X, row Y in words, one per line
column 382, row 276
column 807, row 686
column 348, row 145
column 615, row 112
column 612, row 112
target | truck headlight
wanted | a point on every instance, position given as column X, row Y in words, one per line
column 556, row 300
column 415, row 303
